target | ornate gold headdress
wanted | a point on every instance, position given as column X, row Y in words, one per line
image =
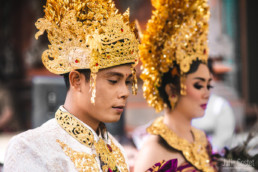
column 87, row 34
column 176, row 33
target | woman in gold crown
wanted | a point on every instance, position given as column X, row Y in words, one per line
column 174, row 54
column 96, row 51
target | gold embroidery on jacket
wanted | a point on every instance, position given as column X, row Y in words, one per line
column 110, row 155
column 82, row 161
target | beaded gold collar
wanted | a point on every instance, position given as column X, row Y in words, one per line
column 195, row 152
column 110, row 155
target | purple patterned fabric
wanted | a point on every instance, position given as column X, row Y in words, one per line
column 168, row 166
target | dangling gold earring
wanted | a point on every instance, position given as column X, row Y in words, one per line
column 182, row 85
column 173, row 100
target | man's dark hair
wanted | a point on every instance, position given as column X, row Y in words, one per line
column 167, row 78
column 85, row 72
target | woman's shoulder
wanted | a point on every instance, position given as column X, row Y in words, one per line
column 151, row 146
column 145, row 158
column 151, row 153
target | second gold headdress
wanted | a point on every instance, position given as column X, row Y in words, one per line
column 87, row 34
column 177, row 33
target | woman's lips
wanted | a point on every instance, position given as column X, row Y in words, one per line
column 203, row 106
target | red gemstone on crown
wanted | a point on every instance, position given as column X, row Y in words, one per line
column 204, row 51
column 97, row 64
column 122, row 30
column 109, row 148
column 76, row 61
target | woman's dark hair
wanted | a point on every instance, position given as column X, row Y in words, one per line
column 85, row 72
column 167, row 78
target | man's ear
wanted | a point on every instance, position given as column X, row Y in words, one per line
column 75, row 79
column 171, row 90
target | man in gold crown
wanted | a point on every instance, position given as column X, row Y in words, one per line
column 174, row 52
column 95, row 49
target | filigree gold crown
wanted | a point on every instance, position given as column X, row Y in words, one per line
column 87, row 34
column 176, row 33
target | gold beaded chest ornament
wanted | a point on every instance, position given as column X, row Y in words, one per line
column 87, row 34
column 176, row 33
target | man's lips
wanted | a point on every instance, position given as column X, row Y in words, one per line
column 203, row 106
column 119, row 109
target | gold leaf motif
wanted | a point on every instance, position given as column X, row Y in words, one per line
column 82, row 161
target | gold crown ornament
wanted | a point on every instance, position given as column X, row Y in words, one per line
column 177, row 33
column 87, row 34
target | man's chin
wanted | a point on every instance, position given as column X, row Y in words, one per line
column 114, row 118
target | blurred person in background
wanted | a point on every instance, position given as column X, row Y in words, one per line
column 174, row 53
column 220, row 69
column 7, row 122
column 96, row 50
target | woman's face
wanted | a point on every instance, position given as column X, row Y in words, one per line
column 194, row 103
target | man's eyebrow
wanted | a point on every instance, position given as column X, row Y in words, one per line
column 109, row 74
column 129, row 76
column 203, row 79
column 118, row 74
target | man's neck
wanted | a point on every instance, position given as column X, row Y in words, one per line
column 83, row 117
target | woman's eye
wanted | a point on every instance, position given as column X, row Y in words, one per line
column 113, row 81
column 198, row 86
column 209, row 87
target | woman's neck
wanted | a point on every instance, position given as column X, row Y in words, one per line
column 179, row 123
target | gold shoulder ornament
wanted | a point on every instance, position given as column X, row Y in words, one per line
column 195, row 153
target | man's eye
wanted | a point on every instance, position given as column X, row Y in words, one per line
column 128, row 82
column 198, row 86
column 209, row 87
column 113, row 81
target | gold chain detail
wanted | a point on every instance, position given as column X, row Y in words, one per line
column 195, row 152
column 119, row 157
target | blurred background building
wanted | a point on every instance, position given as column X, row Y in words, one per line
column 29, row 94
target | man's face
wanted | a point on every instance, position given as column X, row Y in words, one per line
column 112, row 91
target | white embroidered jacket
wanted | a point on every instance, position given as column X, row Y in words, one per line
column 64, row 144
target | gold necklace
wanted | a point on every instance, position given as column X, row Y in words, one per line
column 195, row 152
